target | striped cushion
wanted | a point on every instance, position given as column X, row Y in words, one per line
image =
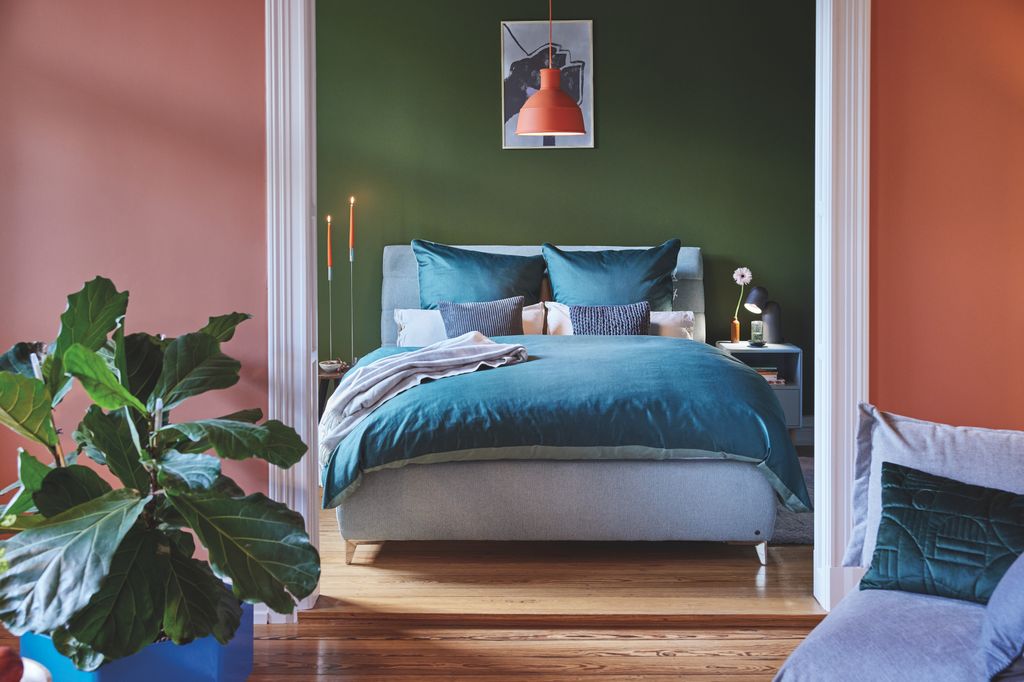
column 493, row 318
column 613, row 320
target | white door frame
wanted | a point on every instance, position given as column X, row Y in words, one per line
column 842, row 142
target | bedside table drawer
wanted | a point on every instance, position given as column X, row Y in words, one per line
column 789, row 398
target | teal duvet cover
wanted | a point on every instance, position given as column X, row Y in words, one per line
column 580, row 398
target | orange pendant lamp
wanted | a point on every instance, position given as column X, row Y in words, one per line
column 550, row 111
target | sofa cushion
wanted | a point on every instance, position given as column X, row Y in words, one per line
column 986, row 457
column 1002, row 635
column 886, row 636
column 943, row 537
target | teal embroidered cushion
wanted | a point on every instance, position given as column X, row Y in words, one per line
column 613, row 276
column 943, row 537
column 457, row 275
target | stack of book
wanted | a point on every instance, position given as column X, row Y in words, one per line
column 771, row 375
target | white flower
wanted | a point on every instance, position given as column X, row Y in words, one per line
column 743, row 276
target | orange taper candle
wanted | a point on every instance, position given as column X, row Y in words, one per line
column 351, row 228
column 330, row 257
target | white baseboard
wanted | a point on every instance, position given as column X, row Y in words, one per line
column 805, row 434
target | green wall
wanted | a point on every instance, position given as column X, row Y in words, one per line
column 704, row 116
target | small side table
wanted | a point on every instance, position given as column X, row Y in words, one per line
column 789, row 360
column 326, row 389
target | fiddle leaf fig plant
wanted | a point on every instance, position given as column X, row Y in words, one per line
column 106, row 571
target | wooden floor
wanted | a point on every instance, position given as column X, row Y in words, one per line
column 545, row 611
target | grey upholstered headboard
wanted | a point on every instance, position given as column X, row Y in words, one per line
column 401, row 287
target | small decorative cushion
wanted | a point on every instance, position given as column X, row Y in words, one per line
column 613, row 277
column 493, row 318
column 673, row 323
column 986, row 457
column 447, row 273
column 943, row 537
column 611, row 320
column 1002, row 634
column 418, row 327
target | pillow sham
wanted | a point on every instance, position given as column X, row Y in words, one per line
column 614, row 276
column 1002, row 633
column 985, row 457
column 417, row 327
column 491, row 318
column 447, row 273
column 611, row 320
column 674, row 323
column 943, row 537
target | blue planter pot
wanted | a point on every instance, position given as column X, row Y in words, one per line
column 204, row 660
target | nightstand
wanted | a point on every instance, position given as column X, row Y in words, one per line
column 789, row 360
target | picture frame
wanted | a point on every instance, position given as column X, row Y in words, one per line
column 524, row 51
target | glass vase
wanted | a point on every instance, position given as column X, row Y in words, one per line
column 734, row 333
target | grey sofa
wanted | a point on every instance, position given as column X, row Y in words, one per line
column 884, row 635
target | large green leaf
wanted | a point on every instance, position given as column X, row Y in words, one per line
column 81, row 654
column 252, row 415
column 193, row 364
column 98, row 380
column 196, row 603
column 107, row 439
column 55, row 568
column 91, row 315
column 25, row 408
column 144, row 359
column 222, row 327
column 67, row 487
column 272, row 441
column 31, row 473
column 258, row 543
column 126, row 613
column 179, row 471
column 18, row 359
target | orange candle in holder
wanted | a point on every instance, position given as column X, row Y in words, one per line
column 351, row 229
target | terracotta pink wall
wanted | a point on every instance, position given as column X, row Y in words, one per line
column 132, row 145
column 947, row 210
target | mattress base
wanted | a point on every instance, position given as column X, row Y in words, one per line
column 691, row 500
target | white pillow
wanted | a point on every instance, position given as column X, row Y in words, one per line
column 423, row 327
column 674, row 323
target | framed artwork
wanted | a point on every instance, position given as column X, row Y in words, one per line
column 524, row 52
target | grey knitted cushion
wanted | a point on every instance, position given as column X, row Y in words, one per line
column 493, row 318
column 621, row 320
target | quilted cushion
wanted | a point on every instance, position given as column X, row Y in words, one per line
column 622, row 320
column 943, row 537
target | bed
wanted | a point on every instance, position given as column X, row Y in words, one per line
column 719, row 485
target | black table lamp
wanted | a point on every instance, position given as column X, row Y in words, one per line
column 771, row 313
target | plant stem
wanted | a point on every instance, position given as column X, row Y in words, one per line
column 736, row 314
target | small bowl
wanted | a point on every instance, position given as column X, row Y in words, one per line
column 331, row 366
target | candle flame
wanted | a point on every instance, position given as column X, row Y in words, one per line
column 328, row 217
column 351, row 200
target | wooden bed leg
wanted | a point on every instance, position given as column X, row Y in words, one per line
column 350, row 551
column 762, row 552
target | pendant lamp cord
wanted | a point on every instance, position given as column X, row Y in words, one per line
column 551, row 22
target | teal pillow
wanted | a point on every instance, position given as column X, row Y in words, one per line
column 465, row 276
column 942, row 537
column 613, row 277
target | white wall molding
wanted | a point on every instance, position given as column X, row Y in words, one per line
column 291, row 252
column 842, row 175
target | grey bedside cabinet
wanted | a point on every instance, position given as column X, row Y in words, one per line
column 789, row 360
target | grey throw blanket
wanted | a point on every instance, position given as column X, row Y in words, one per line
column 368, row 387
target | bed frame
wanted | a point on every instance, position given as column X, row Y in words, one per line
column 693, row 500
